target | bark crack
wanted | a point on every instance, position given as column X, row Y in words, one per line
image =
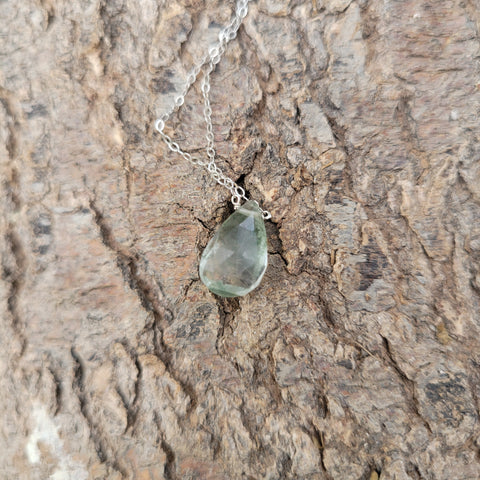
column 227, row 307
column 151, row 297
column 408, row 384
column 317, row 435
column 102, row 449
column 14, row 274
column 132, row 407
column 170, row 464
column 58, row 390
column 14, row 263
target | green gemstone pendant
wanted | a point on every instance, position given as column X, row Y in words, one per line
column 235, row 259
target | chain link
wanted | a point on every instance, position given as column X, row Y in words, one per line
column 207, row 65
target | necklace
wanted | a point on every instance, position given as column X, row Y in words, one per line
column 235, row 259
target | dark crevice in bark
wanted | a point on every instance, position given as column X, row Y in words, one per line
column 249, row 424
column 414, row 471
column 58, row 390
column 151, row 297
column 323, row 403
column 104, row 452
column 184, row 44
column 186, row 289
column 241, row 182
column 170, row 473
column 327, row 316
column 78, row 383
column 407, row 123
column 275, row 243
column 409, row 385
column 13, row 188
column 126, row 406
column 148, row 292
column 270, row 379
column 283, row 260
column 112, row 23
column 128, row 179
column 338, row 131
column 170, row 470
column 338, row 334
column 210, row 225
column 15, row 263
column 50, row 14
column 317, row 435
column 203, row 224
column 50, row 19
column 216, row 446
column 284, row 465
column 132, row 408
column 13, row 272
column 12, row 125
column 226, row 310
column 125, row 161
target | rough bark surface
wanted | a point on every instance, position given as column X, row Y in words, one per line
column 356, row 124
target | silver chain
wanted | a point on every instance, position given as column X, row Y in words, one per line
column 207, row 65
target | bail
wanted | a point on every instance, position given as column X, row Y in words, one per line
column 236, row 199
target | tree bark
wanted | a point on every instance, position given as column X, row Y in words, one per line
column 355, row 123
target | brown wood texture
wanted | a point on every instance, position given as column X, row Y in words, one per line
column 356, row 124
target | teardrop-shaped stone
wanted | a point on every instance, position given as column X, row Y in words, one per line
column 235, row 259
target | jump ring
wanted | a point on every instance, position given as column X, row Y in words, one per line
column 213, row 52
column 159, row 125
column 239, row 191
column 235, row 201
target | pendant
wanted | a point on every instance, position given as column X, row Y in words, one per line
column 235, row 259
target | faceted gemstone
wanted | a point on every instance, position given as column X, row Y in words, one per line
column 235, row 259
